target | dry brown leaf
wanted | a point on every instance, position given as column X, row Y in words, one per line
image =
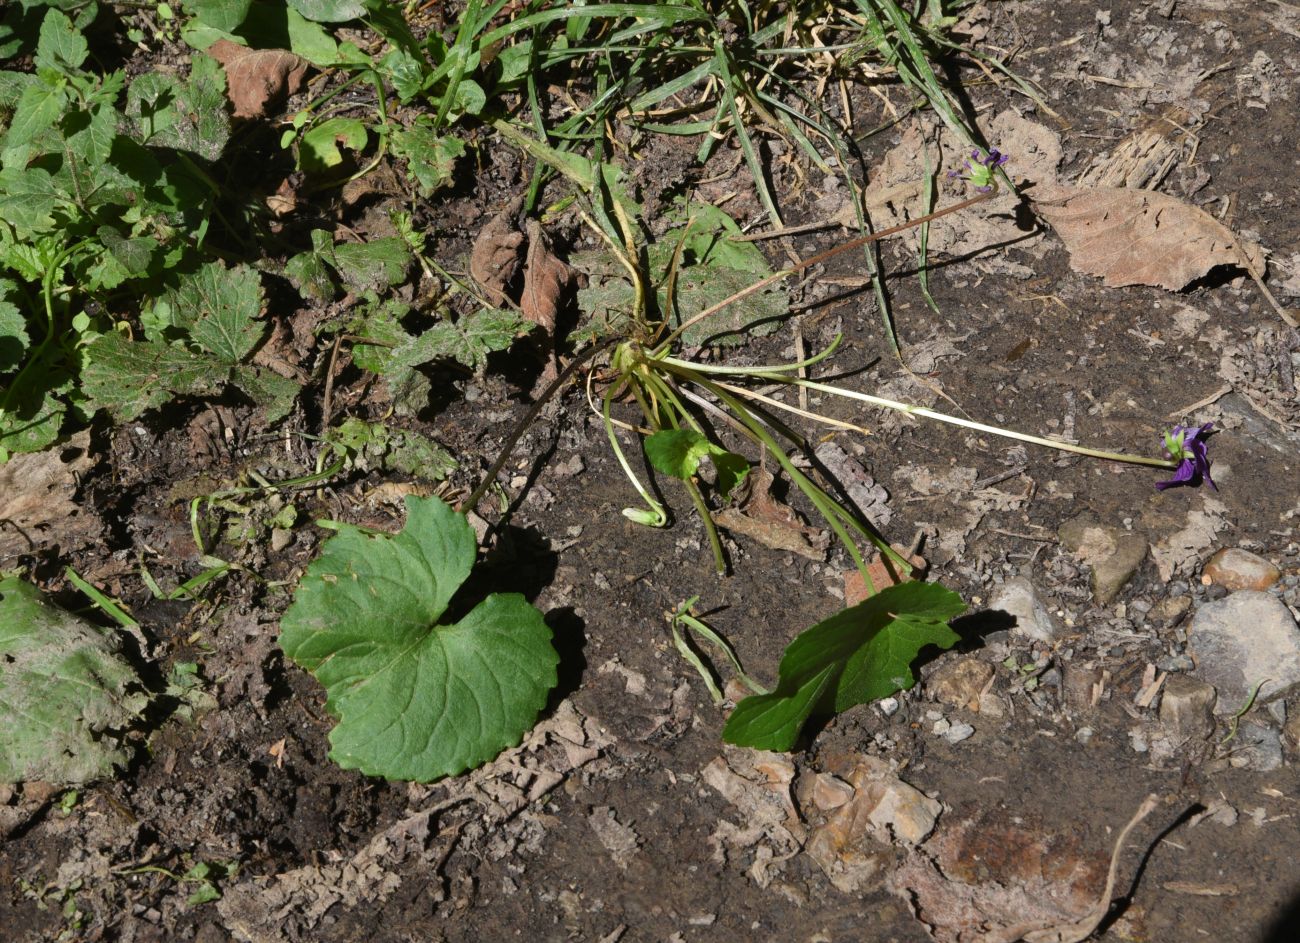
column 495, row 258
column 545, row 278
column 773, row 524
column 993, row 879
column 36, row 506
column 1140, row 237
column 258, row 78
column 884, row 574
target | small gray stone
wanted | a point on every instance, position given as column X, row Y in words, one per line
column 1242, row 640
column 1175, row 663
column 1187, row 708
column 1258, row 748
column 1019, row 597
column 1112, row 553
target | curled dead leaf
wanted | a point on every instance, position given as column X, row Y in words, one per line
column 258, row 78
column 773, row 524
column 545, row 278
column 494, row 261
column 1140, row 237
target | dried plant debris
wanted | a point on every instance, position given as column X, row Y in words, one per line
column 898, row 185
column 1139, row 237
column 757, row 783
column 498, row 253
column 37, row 510
column 868, row 809
column 482, row 808
column 987, row 878
column 258, row 79
column 545, row 280
column 762, row 517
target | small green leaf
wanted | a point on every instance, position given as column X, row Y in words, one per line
column 219, row 309
column 61, row 46
column 858, row 655
column 309, row 272
column 377, row 446
column 65, row 692
column 329, row 11
column 417, row 698
column 373, row 265
column 678, row 452
column 13, row 329
column 430, row 157
column 318, row 149
column 311, row 41
column 274, row 393
column 468, row 340
column 220, row 14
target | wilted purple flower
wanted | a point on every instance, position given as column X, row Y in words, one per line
column 1188, row 445
column 980, row 173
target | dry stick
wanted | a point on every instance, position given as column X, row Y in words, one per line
column 508, row 446
column 822, row 257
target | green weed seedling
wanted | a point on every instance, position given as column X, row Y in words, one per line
column 107, row 195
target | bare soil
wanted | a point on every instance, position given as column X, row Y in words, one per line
column 604, row 825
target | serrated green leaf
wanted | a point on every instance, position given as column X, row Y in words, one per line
column 128, row 377
column 13, row 328
column 219, row 309
column 39, row 108
column 318, row 148
column 220, row 14
column 188, row 117
column 65, row 692
column 468, row 340
column 329, row 11
column 430, row 157
column 34, row 414
column 133, row 254
column 90, row 135
column 377, row 446
column 702, row 286
column 417, row 698
column 858, row 655
column 371, row 266
column 274, row 393
column 309, row 271
column 61, row 46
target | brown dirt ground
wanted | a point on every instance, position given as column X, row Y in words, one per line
column 625, row 839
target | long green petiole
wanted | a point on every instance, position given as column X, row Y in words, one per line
column 932, row 414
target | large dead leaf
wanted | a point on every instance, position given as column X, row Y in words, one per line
column 1140, row 237
column 545, row 278
column 258, row 78
column 36, row 506
column 496, row 256
column 992, row 878
column 773, row 524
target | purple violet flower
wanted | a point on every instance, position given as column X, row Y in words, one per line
column 1189, row 446
column 980, row 173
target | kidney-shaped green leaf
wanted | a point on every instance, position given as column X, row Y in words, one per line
column 860, row 654
column 417, row 698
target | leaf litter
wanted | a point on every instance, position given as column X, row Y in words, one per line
column 258, row 79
